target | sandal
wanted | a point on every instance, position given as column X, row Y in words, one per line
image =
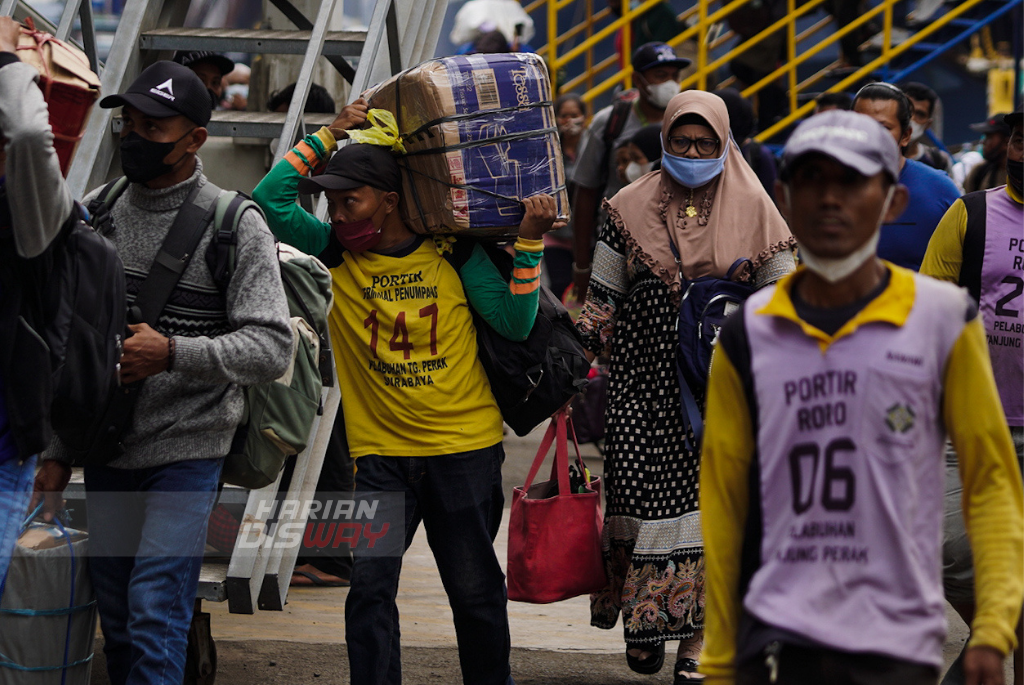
column 651, row 664
column 315, row 580
column 686, row 672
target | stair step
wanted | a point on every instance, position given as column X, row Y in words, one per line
column 213, row 582
column 338, row 43
column 259, row 124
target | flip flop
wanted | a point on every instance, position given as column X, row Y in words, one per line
column 651, row 664
column 317, row 581
column 686, row 672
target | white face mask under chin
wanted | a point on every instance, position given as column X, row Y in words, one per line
column 834, row 270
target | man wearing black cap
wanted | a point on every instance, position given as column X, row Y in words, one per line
column 148, row 507
column 979, row 245
column 992, row 172
column 656, row 68
column 420, row 417
column 210, row 67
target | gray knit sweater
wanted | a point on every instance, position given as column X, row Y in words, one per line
column 222, row 341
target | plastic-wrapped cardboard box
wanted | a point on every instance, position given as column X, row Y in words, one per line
column 48, row 603
column 69, row 86
column 480, row 135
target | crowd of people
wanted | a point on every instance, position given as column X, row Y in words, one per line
column 853, row 458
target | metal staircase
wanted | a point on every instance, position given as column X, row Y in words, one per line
column 581, row 56
column 401, row 33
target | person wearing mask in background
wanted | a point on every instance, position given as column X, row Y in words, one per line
column 703, row 211
column 991, row 173
column 821, row 483
column 571, row 119
column 639, row 155
column 656, row 68
column 148, row 507
column 830, row 101
column 978, row 245
column 210, row 67
column 923, row 100
column 34, row 204
column 903, row 241
column 759, row 157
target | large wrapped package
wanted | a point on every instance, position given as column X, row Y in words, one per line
column 480, row 136
column 69, row 86
column 48, row 610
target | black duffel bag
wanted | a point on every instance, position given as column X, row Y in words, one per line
column 534, row 378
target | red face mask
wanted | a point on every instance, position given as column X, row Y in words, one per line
column 358, row 236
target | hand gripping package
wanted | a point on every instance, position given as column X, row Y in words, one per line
column 480, row 136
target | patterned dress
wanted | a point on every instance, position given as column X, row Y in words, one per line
column 653, row 545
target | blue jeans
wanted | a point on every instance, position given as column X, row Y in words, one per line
column 16, row 480
column 147, row 532
column 459, row 499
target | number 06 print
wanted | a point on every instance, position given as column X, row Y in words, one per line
column 839, row 487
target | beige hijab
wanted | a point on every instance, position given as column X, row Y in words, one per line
column 743, row 223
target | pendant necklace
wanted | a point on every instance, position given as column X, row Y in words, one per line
column 691, row 211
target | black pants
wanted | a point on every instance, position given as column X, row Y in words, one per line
column 805, row 666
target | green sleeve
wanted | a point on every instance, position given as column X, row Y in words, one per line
column 510, row 307
column 277, row 193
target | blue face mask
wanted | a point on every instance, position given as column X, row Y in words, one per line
column 693, row 173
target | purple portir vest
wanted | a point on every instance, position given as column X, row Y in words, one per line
column 1002, row 298
column 850, row 448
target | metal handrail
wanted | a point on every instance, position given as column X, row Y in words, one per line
column 886, row 55
column 789, row 19
column 702, row 20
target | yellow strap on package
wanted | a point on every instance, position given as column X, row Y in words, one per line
column 383, row 131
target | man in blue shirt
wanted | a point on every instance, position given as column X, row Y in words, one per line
column 905, row 240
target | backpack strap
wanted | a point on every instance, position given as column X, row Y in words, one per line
column 974, row 243
column 175, row 254
column 221, row 255
column 99, row 207
column 462, row 250
column 617, row 120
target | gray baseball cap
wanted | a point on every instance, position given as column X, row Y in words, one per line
column 852, row 139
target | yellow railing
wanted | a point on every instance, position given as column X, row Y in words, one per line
column 702, row 22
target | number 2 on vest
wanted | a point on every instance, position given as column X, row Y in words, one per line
column 399, row 341
column 839, row 487
column 1018, row 289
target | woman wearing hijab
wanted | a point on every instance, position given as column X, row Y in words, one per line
column 710, row 204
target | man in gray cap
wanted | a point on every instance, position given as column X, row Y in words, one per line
column 821, row 489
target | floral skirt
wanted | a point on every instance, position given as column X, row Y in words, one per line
column 656, row 579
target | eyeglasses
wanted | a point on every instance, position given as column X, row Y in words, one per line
column 680, row 145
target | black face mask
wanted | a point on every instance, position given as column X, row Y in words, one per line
column 1013, row 175
column 143, row 160
column 214, row 100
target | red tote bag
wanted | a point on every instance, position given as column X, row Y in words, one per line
column 554, row 535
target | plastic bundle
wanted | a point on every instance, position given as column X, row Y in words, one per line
column 480, row 136
column 48, row 612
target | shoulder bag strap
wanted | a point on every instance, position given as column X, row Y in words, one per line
column 974, row 243
column 175, row 254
